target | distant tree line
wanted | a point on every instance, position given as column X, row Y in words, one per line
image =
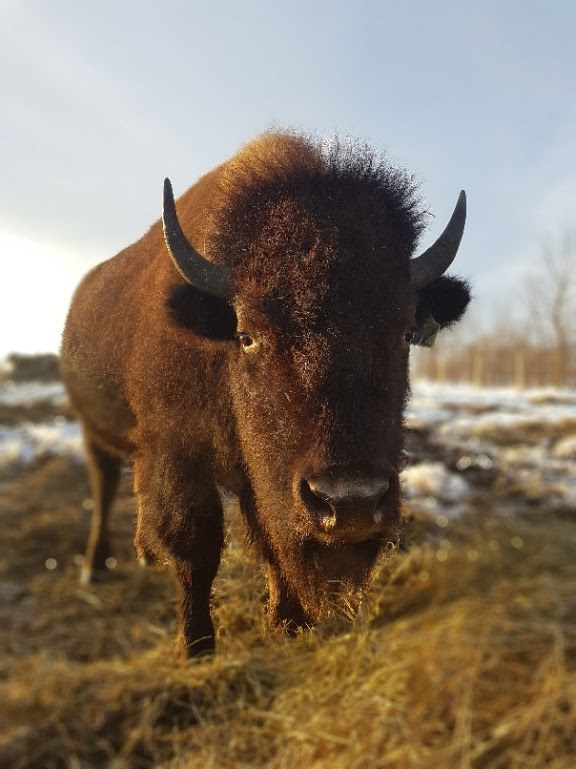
column 530, row 342
column 492, row 361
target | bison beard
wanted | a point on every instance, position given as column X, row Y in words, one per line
column 272, row 362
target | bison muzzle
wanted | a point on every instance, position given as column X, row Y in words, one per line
column 256, row 340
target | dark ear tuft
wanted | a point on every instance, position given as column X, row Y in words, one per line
column 445, row 300
column 205, row 315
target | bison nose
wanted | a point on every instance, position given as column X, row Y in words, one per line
column 347, row 502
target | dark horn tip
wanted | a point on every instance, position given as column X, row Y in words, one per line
column 168, row 205
column 210, row 278
column 434, row 262
column 168, row 193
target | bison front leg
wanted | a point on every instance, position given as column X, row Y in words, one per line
column 196, row 633
column 180, row 518
column 284, row 609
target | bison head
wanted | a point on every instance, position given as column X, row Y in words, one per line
column 309, row 286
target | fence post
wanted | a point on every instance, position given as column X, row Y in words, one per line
column 477, row 368
column 519, row 370
column 441, row 369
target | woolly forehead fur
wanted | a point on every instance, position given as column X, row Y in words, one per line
column 289, row 211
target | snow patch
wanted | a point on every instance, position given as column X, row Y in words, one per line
column 28, row 393
column 27, row 442
column 527, row 435
column 432, row 479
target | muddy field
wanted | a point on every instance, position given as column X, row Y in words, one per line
column 464, row 654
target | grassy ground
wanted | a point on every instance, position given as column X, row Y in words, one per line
column 464, row 654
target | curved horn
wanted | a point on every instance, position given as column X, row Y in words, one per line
column 435, row 260
column 206, row 276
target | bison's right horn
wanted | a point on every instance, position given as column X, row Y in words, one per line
column 206, row 276
column 434, row 262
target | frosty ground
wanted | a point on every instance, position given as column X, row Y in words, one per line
column 526, row 440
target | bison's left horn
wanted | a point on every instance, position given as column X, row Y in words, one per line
column 206, row 276
column 435, row 260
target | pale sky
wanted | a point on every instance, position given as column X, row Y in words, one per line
column 100, row 101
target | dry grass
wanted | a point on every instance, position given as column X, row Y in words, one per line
column 464, row 655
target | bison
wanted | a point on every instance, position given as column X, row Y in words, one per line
column 256, row 340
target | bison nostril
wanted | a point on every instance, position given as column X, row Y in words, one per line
column 346, row 500
column 319, row 506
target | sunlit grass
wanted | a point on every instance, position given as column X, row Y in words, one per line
column 467, row 660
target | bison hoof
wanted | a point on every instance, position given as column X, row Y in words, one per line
column 202, row 647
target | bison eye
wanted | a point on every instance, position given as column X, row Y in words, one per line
column 246, row 341
column 410, row 335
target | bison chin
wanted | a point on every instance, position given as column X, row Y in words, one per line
column 313, row 576
column 324, row 581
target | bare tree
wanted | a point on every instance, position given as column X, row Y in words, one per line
column 552, row 301
column 528, row 345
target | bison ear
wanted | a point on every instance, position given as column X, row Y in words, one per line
column 440, row 304
column 205, row 315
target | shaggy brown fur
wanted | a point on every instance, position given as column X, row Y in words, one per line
column 296, row 385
